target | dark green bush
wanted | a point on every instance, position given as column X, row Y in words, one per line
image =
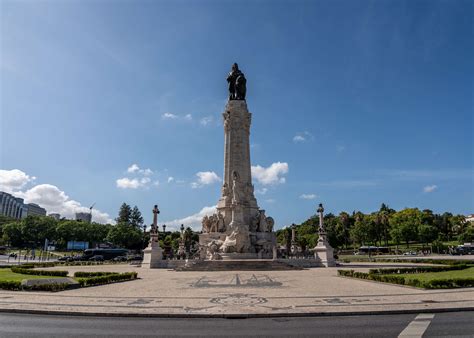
column 107, row 279
column 54, row 287
column 418, row 269
column 24, row 271
column 10, row 285
column 93, row 274
column 450, row 283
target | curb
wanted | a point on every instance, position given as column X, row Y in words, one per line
column 236, row 315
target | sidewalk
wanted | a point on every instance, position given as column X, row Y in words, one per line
column 317, row 291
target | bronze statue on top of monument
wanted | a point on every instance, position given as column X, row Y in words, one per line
column 237, row 83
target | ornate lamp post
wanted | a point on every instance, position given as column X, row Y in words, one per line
column 164, row 228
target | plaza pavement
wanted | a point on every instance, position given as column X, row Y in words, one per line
column 157, row 292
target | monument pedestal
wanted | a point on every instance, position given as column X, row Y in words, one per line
column 323, row 252
column 153, row 255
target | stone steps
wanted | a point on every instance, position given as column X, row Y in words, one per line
column 236, row 265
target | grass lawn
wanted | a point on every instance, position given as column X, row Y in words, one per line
column 8, row 275
column 427, row 276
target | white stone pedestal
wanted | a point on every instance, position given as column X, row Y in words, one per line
column 323, row 252
column 153, row 255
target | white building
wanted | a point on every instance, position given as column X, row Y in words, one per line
column 12, row 206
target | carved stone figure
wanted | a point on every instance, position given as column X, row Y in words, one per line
column 238, row 241
column 206, row 224
column 235, row 188
column 262, row 224
column 270, row 223
column 220, row 222
column 213, row 251
column 253, row 227
column 213, row 227
column 237, row 84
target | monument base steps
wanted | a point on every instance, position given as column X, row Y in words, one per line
column 236, row 265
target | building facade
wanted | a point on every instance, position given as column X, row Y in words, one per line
column 12, row 206
column 15, row 207
column 33, row 209
column 84, row 216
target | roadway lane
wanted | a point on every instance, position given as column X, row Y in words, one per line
column 24, row 325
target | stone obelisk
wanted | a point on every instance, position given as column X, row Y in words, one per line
column 153, row 254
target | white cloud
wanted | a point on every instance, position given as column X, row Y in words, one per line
column 156, row 183
column 188, row 117
column 169, row 116
column 47, row 196
column 430, row 188
column 308, row 196
column 270, row 200
column 134, row 183
column 205, row 178
column 193, row 221
column 261, row 191
column 303, row 137
column 340, row 148
column 271, row 175
column 13, row 180
column 133, row 168
column 206, row 120
column 170, row 179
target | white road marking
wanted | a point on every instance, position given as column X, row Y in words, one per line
column 418, row 326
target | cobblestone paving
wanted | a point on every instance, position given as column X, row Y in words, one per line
column 166, row 292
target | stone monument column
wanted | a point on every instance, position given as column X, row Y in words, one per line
column 237, row 188
column 323, row 252
column 153, row 254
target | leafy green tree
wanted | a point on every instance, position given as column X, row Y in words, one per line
column 405, row 225
column 136, row 218
column 125, row 236
column 125, row 213
column 12, row 234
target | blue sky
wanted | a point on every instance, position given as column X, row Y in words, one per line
column 354, row 103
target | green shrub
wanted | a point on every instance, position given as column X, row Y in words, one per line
column 93, row 274
column 10, row 285
column 418, row 269
column 24, row 271
column 54, row 287
column 450, row 283
column 107, row 279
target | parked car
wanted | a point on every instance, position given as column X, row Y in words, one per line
column 97, row 258
column 135, row 258
column 120, row 259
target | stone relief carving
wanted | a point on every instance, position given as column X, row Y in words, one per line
column 236, row 193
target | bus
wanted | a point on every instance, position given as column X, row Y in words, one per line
column 107, row 254
column 466, row 249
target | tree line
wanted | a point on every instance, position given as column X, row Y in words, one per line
column 382, row 228
column 128, row 232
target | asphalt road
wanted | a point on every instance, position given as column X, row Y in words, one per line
column 460, row 324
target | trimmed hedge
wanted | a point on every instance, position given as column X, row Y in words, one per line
column 403, row 280
column 24, row 271
column 10, row 285
column 107, row 279
column 53, row 287
column 93, row 274
column 418, row 269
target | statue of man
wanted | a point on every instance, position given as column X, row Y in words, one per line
column 235, row 188
column 237, row 83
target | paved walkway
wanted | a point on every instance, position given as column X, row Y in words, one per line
column 168, row 293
